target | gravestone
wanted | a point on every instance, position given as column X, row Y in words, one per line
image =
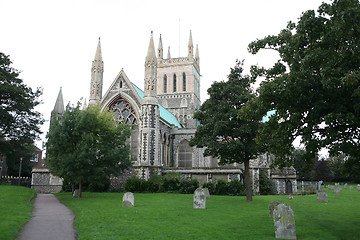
column 76, row 193
column 351, row 188
column 338, row 190
column 284, row 222
column 336, row 184
column 207, row 193
column 319, row 185
column 321, row 196
column 272, row 206
column 128, row 199
column 345, row 186
column 358, row 187
column 199, row 198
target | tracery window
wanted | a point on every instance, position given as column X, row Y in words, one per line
column 165, row 83
column 123, row 111
column 184, row 154
column 174, row 83
column 184, row 82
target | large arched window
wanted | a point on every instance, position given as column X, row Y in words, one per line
column 184, row 82
column 174, row 83
column 165, row 83
column 123, row 111
column 184, row 154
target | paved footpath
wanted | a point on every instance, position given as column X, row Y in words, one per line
column 51, row 220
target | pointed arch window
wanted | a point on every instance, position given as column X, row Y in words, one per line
column 165, row 83
column 184, row 82
column 184, row 154
column 123, row 110
column 174, row 83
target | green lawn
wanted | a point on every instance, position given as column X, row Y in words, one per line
column 15, row 209
column 171, row 216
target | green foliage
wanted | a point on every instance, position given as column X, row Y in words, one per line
column 266, row 185
column 224, row 132
column 221, row 187
column 188, row 186
column 304, row 164
column 15, row 209
column 210, row 186
column 172, row 182
column 318, row 96
column 19, row 122
column 99, row 183
column 156, row 183
column 86, row 145
column 235, row 188
column 134, row 184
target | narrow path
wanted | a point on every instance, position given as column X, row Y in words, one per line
column 51, row 220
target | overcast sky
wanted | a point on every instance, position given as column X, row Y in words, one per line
column 53, row 43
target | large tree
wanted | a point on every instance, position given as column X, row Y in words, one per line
column 19, row 122
column 222, row 130
column 315, row 86
column 87, row 144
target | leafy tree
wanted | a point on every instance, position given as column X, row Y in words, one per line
column 315, row 86
column 352, row 169
column 19, row 122
column 322, row 170
column 87, row 144
column 304, row 164
column 222, row 130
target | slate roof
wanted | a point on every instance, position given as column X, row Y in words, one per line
column 164, row 113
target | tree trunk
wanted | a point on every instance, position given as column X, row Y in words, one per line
column 80, row 190
column 248, row 181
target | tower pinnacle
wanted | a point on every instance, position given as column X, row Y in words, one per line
column 160, row 49
column 190, row 47
column 97, row 70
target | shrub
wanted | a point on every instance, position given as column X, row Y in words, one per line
column 210, row 186
column 133, row 184
column 266, row 185
column 172, row 182
column 221, row 187
column 188, row 185
column 155, row 184
column 235, row 188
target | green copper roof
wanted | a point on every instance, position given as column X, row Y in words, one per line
column 164, row 113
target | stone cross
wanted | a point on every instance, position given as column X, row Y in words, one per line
column 128, row 199
column 199, row 198
column 272, row 206
column 284, row 222
column 76, row 193
column 319, row 185
column 321, row 196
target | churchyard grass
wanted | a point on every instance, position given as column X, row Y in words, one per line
column 171, row 216
column 15, row 209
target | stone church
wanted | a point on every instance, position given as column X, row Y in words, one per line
column 162, row 119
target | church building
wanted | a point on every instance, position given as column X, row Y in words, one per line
column 162, row 117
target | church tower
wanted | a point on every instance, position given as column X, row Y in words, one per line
column 149, row 129
column 58, row 110
column 97, row 70
column 178, row 84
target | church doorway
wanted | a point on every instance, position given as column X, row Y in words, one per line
column 288, row 187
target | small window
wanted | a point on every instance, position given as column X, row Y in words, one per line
column 185, row 154
column 35, row 158
column 184, row 82
column 165, row 83
column 174, row 83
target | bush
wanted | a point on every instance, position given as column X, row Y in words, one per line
column 235, row 188
column 188, row 185
column 155, row 184
column 172, row 182
column 221, row 187
column 133, row 184
column 266, row 185
column 210, row 186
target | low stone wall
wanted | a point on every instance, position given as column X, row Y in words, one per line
column 43, row 181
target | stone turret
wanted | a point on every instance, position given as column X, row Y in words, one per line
column 190, row 47
column 160, row 49
column 97, row 70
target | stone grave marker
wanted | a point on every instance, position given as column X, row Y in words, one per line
column 345, row 186
column 337, row 184
column 321, row 196
column 284, row 222
column 207, row 193
column 351, row 188
column 199, row 198
column 338, row 190
column 76, row 193
column 358, row 187
column 272, row 206
column 128, row 199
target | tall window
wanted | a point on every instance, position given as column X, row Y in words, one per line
column 174, row 86
column 184, row 154
column 165, row 83
column 184, row 82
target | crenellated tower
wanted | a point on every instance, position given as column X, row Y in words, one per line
column 178, row 84
column 149, row 129
column 97, row 70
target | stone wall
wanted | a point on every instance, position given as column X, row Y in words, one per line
column 43, row 181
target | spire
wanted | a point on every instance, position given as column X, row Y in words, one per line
column 84, row 106
column 169, row 56
column 98, row 56
column 190, row 47
column 151, row 50
column 197, row 57
column 59, row 104
column 160, row 49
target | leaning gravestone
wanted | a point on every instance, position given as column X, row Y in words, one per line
column 351, row 188
column 199, row 198
column 76, row 193
column 272, row 206
column 128, row 199
column 321, row 196
column 358, row 187
column 207, row 193
column 338, row 190
column 345, row 186
column 284, row 222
